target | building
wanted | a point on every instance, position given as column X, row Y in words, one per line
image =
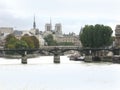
column 46, row 33
column 48, row 27
column 41, row 40
column 34, row 32
column 2, row 40
column 6, row 30
column 26, row 32
column 58, row 29
column 59, row 37
column 117, row 36
column 69, row 38
column 18, row 34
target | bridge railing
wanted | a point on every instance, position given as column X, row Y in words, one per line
column 57, row 47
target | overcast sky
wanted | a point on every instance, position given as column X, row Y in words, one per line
column 72, row 14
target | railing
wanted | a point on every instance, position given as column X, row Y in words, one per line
column 58, row 47
column 42, row 47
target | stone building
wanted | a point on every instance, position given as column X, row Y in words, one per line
column 48, row 27
column 58, row 29
column 117, row 36
column 18, row 34
column 71, row 38
column 4, row 31
column 58, row 36
column 34, row 32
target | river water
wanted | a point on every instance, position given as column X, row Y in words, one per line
column 41, row 74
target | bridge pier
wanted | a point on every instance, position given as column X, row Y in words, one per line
column 56, row 58
column 88, row 58
column 24, row 58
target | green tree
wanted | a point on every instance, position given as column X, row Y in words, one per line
column 21, row 44
column 10, row 41
column 35, row 41
column 25, row 42
column 50, row 41
column 96, row 36
column 31, row 41
column 28, row 40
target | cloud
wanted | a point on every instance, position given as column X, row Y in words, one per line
column 71, row 13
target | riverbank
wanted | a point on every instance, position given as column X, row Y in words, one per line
column 19, row 56
column 89, row 58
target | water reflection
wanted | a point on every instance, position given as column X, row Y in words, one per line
column 41, row 74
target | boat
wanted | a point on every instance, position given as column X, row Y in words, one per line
column 77, row 58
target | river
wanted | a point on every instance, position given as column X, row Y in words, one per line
column 41, row 74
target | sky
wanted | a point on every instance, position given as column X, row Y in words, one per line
column 72, row 14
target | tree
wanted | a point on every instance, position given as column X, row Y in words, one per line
column 31, row 41
column 21, row 44
column 28, row 40
column 96, row 36
column 35, row 41
column 50, row 41
column 25, row 42
column 10, row 41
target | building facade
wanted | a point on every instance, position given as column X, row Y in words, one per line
column 18, row 34
column 34, row 32
column 117, row 36
column 6, row 30
column 69, row 38
column 48, row 27
column 58, row 29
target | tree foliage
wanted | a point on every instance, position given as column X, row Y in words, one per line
column 20, row 44
column 28, row 40
column 35, row 41
column 10, row 41
column 24, row 42
column 50, row 41
column 96, row 36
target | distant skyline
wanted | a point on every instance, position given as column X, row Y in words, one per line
column 72, row 14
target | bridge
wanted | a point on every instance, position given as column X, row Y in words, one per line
column 56, row 51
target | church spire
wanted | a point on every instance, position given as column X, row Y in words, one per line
column 34, row 24
column 50, row 23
